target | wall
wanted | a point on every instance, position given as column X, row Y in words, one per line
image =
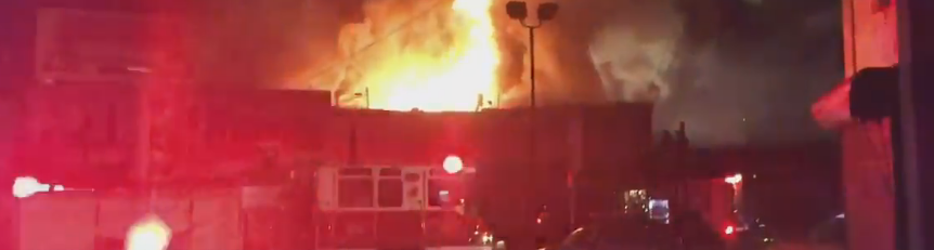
column 17, row 43
column 607, row 135
column 11, row 113
column 869, row 40
column 206, row 219
column 87, row 45
column 89, row 129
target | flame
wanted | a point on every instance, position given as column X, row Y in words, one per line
column 445, row 60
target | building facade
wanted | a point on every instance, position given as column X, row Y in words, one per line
column 870, row 40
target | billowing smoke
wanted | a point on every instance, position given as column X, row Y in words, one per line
column 733, row 71
column 633, row 51
column 755, row 81
column 598, row 51
column 736, row 72
column 594, row 51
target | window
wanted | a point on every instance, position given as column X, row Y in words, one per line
column 356, row 188
column 390, row 172
column 390, row 192
column 442, row 192
column 355, row 193
column 355, row 172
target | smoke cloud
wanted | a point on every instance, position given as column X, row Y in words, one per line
column 735, row 71
column 597, row 51
column 754, row 83
column 634, row 51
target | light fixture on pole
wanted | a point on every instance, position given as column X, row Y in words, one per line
column 519, row 11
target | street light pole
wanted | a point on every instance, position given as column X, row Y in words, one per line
column 519, row 11
column 532, row 63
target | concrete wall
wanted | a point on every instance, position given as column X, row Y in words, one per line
column 869, row 41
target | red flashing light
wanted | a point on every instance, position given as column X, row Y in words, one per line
column 453, row 164
column 27, row 186
column 729, row 230
column 734, row 179
column 151, row 233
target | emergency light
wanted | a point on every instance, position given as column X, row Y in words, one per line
column 27, row 186
column 150, row 233
column 453, row 164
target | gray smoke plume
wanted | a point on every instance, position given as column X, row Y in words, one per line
column 634, row 52
column 734, row 71
column 599, row 50
column 755, row 82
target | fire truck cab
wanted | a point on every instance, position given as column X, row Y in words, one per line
column 380, row 207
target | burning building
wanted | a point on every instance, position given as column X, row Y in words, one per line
column 226, row 139
column 870, row 43
column 120, row 115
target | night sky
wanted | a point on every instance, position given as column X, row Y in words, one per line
column 757, row 82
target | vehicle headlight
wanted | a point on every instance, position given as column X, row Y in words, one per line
column 486, row 239
column 499, row 245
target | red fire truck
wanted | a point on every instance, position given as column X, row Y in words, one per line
column 399, row 207
column 498, row 187
column 383, row 179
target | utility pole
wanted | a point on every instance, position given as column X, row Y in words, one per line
column 518, row 10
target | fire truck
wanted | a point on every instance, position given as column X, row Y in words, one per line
column 514, row 185
column 227, row 169
column 110, row 142
column 399, row 207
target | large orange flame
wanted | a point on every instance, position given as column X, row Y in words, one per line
column 443, row 61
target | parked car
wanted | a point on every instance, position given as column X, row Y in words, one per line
column 638, row 232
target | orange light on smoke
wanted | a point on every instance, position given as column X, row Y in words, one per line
column 453, row 164
column 150, row 233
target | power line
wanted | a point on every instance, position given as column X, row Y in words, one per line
column 406, row 24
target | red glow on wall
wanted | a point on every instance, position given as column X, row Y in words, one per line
column 833, row 109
